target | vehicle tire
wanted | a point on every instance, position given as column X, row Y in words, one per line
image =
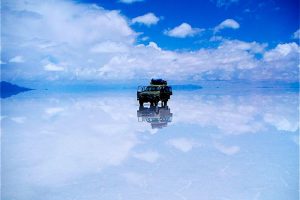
column 165, row 103
column 141, row 102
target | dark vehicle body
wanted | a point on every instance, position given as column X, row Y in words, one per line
column 158, row 90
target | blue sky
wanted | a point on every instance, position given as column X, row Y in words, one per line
column 63, row 41
column 268, row 21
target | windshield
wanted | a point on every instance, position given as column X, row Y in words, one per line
column 152, row 88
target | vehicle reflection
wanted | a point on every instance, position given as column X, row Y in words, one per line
column 158, row 117
column 105, row 153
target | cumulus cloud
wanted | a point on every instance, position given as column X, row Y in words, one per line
column 130, row 1
column 87, row 42
column 296, row 35
column 281, row 51
column 228, row 23
column 68, row 36
column 109, row 47
column 154, row 45
column 17, row 59
column 147, row 19
column 182, row 31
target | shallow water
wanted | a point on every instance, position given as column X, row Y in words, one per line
column 205, row 145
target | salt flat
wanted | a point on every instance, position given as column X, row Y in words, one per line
column 215, row 145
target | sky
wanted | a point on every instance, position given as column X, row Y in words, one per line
column 64, row 41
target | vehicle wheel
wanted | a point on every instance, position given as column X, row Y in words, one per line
column 141, row 102
column 165, row 103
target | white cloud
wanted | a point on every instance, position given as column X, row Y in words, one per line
column 281, row 51
column 182, row 144
column 182, row 31
column 154, row 45
column 53, row 67
column 296, row 35
column 228, row 23
column 109, row 47
column 252, row 47
column 147, row 19
column 17, row 59
column 130, row 1
column 101, row 45
column 148, row 156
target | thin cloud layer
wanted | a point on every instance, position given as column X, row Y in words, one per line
column 86, row 42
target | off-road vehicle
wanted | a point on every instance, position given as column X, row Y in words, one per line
column 158, row 90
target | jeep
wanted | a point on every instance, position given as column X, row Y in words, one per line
column 155, row 92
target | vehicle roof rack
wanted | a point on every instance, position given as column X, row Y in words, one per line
column 158, row 82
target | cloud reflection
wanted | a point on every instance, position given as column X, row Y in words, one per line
column 236, row 115
column 93, row 144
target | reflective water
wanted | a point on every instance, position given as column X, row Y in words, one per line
column 205, row 145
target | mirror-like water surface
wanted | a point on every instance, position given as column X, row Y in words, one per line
column 101, row 145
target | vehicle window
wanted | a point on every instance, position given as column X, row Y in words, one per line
column 152, row 88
